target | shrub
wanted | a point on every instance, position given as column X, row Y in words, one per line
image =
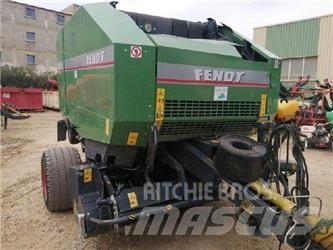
column 23, row 77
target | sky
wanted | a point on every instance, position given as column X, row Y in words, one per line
column 241, row 15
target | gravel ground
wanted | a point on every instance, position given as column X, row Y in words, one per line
column 26, row 223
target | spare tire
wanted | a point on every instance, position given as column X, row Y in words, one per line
column 240, row 158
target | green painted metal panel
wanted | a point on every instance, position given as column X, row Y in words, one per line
column 107, row 93
column 90, row 62
column 198, row 45
column 190, row 108
column 134, row 94
column 295, row 39
column 80, row 90
column 77, row 39
column 121, row 28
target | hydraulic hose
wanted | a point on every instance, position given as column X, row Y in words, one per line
column 322, row 230
column 288, row 133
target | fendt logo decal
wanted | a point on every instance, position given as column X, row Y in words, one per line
column 217, row 75
column 96, row 58
column 170, row 73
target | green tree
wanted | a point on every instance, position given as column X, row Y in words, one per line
column 23, row 77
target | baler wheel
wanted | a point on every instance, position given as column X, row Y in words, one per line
column 240, row 158
column 54, row 173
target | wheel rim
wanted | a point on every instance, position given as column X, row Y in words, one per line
column 44, row 182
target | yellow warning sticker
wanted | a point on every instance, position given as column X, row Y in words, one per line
column 87, row 175
column 107, row 126
column 132, row 138
column 263, row 105
column 160, row 100
column 133, row 201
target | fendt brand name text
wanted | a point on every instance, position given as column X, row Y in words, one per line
column 95, row 58
column 218, row 75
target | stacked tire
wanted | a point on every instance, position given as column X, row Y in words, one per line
column 240, row 158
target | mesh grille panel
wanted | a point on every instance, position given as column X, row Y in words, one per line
column 181, row 108
column 205, row 127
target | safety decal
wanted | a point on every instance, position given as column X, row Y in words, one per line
column 136, row 51
column 263, row 105
column 220, row 93
column 160, row 100
column 87, row 175
column 132, row 138
column 133, row 201
column 107, row 126
column 6, row 95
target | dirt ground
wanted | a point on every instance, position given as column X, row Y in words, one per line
column 26, row 223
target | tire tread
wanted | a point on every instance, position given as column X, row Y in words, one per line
column 56, row 161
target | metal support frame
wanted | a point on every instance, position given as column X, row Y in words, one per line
column 151, row 153
column 280, row 217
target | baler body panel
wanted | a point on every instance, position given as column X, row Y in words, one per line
column 134, row 95
column 93, row 55
column 191, row 108
column 109, row 94
column 81, row 82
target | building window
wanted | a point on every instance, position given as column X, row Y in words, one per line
column 29, row 12
column 310, row 67
column 296, row 68
column 60, row 19
column 285, row 69
column 31, row 59
column 292, row 68
column 30, row 36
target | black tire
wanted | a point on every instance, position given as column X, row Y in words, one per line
column 54, row 173
column 240, row 158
